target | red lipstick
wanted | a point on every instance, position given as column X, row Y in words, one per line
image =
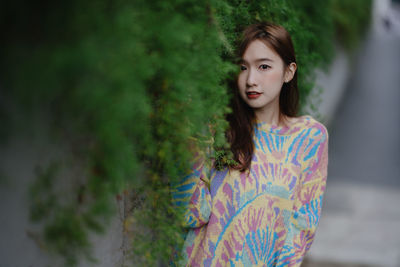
column 253, row 95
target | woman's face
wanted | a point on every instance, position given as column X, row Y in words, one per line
column 262, row 74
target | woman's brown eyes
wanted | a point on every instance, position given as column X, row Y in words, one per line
column 261, row 67
column 264, row 66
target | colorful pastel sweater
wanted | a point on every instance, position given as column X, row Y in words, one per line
column 263, row 217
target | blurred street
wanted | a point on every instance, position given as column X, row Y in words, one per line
column 360, row 223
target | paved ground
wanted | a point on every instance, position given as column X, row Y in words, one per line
column 360, row 224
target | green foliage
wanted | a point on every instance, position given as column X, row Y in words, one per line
column 128, row 85
column 351, row 19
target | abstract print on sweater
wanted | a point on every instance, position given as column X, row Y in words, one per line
column 264, row 217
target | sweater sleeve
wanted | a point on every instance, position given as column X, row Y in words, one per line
column 192, row 193
column 308, row 201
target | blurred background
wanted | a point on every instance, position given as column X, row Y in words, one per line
column 361, row 216
column 84, row 157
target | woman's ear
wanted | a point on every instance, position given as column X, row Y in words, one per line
column 290, row 71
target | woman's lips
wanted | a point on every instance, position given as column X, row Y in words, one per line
column 253, row 95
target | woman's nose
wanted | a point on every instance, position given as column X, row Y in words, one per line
column 251, row 78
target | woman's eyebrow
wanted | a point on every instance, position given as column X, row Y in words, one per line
column 264, row 59
column 257, row 60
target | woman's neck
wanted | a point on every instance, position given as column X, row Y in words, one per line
column 274, row 118
column 271, row 117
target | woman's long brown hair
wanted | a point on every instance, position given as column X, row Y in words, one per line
column 242, row 118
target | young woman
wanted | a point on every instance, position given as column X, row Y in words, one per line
column 264, row 210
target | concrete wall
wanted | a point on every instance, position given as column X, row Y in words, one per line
column 330, row 87
column 20, row 154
